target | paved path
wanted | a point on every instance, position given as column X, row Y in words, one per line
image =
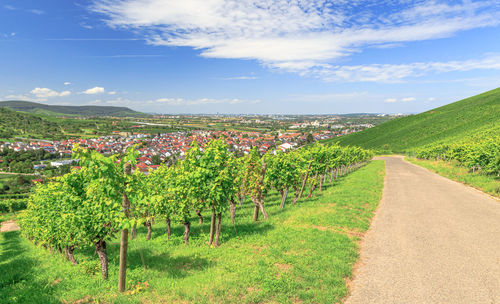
column 9, row 225
column 432, row 241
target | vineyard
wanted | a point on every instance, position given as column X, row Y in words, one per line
column 480, row 153
column 450, row 123
column 89, row 207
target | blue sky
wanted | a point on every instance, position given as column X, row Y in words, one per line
column 259, row 56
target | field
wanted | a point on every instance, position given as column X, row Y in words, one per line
column 450, row 169
column 449, row 123
column 303, row 253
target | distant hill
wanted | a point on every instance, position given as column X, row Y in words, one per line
column 43, row 109
column 447, row 123
column 20, row 124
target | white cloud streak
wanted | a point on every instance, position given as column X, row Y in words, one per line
column 399, row 72
column 241, row 78
column 173, row 101
column 200, row 101
column 36, row 11
column 299, row 36
column 404, row 99
column 329, row 97
column 23, row 97
column 47, row 93
column 94, row 90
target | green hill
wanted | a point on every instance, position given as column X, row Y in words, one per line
column 20, row 124
column 54, row 110
column 447, row 123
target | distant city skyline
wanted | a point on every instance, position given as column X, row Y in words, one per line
column 262, row 57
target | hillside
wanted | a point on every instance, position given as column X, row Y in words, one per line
column 38, row 108
column 447, row 123
column 14, row 123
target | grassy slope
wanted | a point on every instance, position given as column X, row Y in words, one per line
column 301, row 254
column 453, row 121
column 486, row 183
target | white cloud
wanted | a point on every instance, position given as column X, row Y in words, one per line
column 10, row 7
column 331, row 97
column 112, row 93
column 300, row 36
column 431, row 99
column 133, row 56
column 8, row 35
column 94, row 90
column 23, row 97
column 241, row 78
column 67, row 83
column 86, row 26
column 36, row 11
column 46, row 93
column 404, row 99
column 200, row 101
column 398, row 72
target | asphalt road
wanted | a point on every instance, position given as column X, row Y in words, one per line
column 432, row 240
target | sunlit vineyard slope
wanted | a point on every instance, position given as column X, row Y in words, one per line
column 448, row 123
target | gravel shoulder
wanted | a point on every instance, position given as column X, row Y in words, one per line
column 432, row 240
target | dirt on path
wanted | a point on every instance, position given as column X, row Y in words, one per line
column 9, row 225
column 432, row 240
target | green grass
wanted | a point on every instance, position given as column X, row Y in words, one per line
column 451, row 169
column 7, row 216
column 447, row 123
column 301, row 254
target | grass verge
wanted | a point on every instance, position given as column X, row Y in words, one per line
column 7, row 217
column 301, row 254
column 451, row 170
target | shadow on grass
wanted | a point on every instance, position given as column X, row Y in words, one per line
column 18, row 280
column 175, row 267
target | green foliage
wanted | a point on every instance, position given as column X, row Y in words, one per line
column 160, row 185
column 14, row 123
column 284, row 170
column 445, row 124
column 253, row 175
column 302, row 254
column 12, row 205
column 84, row 207
column 80, row 208
column 480, row 152
column 213, row 181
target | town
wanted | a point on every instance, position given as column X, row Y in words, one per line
column 155, row 149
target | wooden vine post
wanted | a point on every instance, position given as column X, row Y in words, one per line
column 122, row 274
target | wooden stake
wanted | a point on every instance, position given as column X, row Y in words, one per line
column 122, row 273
